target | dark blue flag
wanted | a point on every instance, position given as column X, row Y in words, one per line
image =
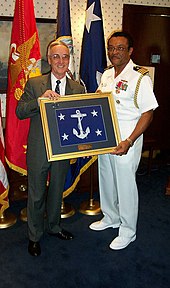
column 93, row 62
column 78, row 166
column 64, row 30
column 93, row 54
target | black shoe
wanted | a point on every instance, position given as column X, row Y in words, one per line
column 63, row 235
column 34, row 248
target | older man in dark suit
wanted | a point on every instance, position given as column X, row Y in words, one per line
column 39, row 199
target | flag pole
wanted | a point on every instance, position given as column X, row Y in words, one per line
column 7, row 219
column 91, row 206
column 24, row 62
column 92, row 65
column 64, row 34
column 67, row 210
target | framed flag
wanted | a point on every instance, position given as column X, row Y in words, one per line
column 79, row 125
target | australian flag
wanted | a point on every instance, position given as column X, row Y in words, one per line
column 93, row 54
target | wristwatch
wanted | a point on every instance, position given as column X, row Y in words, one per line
column 130, row 142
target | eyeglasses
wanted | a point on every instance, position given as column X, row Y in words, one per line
column 119, row 49
column 57, row 57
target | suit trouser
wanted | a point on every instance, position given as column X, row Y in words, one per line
column 41, row 199
column 118, row 189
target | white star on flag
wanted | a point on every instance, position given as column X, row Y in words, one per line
column 65, row 136
column 94, row 113
column 61, row 116
column 98, row 132
column 90, row 17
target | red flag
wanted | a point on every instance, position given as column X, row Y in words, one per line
column 4, row 186
column 24, row 62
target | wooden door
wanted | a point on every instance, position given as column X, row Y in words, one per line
column 150, row 29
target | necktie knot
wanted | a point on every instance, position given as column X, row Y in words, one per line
column 57, row 88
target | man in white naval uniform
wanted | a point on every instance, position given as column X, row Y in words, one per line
column 135, row 101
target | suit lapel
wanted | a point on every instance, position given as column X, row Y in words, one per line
column 46, row 83
column 69, row 87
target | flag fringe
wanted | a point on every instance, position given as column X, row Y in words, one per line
column 77, row 179
column 16, row 168
column 3, row 202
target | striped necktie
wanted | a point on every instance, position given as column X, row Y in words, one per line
column 57, row 88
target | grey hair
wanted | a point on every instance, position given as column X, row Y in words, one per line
column 55, row 43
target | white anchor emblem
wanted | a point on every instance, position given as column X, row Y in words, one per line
column 79, row 116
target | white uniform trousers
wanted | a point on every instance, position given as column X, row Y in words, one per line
column 118, row 189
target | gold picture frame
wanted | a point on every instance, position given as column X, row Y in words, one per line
column 79, row 125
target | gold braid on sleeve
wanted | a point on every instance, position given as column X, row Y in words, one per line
column 143, row 72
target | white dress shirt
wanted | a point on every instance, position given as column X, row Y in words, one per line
column 62, row 85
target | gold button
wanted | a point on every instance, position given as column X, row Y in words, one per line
column 117, row 101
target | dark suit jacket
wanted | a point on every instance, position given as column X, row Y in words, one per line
column 28, row 108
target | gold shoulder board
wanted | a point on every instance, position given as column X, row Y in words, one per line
column 109, row 67
column 141, row 70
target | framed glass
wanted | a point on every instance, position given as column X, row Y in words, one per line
column 79, row 125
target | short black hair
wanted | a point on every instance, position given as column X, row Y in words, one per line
column 122, row 34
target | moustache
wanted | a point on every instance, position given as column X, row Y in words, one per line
column 115, row 56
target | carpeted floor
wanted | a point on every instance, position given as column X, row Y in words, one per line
column 87, row 260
